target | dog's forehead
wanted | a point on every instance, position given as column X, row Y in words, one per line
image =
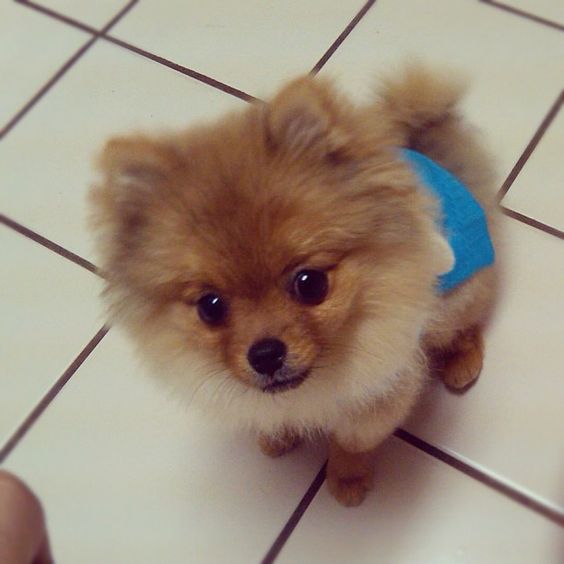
column 252, row 221
column 250, row 251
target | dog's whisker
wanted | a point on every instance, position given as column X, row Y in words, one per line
column 205, row 380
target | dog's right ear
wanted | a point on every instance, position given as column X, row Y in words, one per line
column 133, row 166
column 132, row 169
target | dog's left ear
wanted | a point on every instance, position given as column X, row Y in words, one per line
column 305, row 117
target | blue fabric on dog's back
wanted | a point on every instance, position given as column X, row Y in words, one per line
column 462, row 219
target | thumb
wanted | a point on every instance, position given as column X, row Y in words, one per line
column 23, row 534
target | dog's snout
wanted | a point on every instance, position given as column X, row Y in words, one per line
column 267, row 356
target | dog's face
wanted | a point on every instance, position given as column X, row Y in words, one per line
column 266, row 243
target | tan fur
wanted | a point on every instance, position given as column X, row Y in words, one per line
column 350, row 476
column 281, row 443
column 461, row 364
column 239, row 206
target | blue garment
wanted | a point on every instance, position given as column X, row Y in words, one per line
column 463, row 220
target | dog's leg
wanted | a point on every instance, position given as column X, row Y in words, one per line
column 278, row 444
column 462, row 363
column 350, row 475
column 350, row 468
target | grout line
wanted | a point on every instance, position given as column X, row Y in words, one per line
column 523, row 14
column 57, row 16
column 46, row 87
column 46, row 400
column 551, row 513
column 523, row 499
column 208, row 80
column 47, row 243
column 63, row 70
column 535, row 140
column 532, row 222
column 294, row 519
column 147, row 54
column 344, row 34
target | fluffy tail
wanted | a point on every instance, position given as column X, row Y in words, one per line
column 420, row 100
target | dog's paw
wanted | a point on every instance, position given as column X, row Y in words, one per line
column 277, row 445
column 464, row 364
column 350, row 491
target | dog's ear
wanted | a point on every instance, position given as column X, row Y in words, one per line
column 133, row 169
column 305, row 116
column 133, row 166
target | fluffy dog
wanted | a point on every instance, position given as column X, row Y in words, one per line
column 281, row 265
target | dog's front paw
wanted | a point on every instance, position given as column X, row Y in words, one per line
column 279, row 444
column 350, row 491
column 350, row 475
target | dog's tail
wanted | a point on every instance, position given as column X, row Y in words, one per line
column 419, row 101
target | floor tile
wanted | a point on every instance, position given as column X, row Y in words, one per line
column 96, row 14
column 32, row 48
column 510, row 422
column 110, row 91
column 548, row 9
column 49, row 313
column 251, row 45
column 129, row 474
column 513, row 66
column 537, row 191
column 425, row 512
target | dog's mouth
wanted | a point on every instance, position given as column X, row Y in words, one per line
column 283, row 385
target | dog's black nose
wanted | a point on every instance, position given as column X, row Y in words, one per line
column 267, row 356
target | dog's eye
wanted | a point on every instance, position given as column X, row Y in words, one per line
column 310, row 286
column 212, row 309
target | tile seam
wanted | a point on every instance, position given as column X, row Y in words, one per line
column 59, row 74
column 523, row 14
column 47, row 243
column 34, row 415
column 533, row 143
column 342, row 37
column 186, row 71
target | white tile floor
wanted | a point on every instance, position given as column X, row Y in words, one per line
column 49, row 312
column 545, row 164
column 129, row 475
column 24, row 68
column 250, row 44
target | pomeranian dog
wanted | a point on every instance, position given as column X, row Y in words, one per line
column 285, row 266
